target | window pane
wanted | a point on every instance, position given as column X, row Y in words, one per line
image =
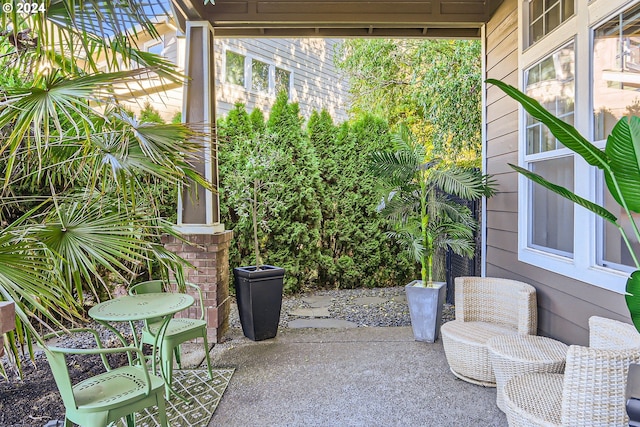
column 536, row 31
column 567, row 9
column 259, row 76
column 283, row 81
column 551, row 222
column 536, row 7
column 552, row 83
column 553, row 18
column 156, row 48
column 235, row 68
column 613, row 251
column 616, row 70
column 546, row 15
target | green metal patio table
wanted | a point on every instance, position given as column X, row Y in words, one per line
column 133, row 308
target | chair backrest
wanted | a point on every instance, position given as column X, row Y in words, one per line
column 60, row 371
column 595, row 380
column 155, row 286
column 497, row 300
column 611, row 334
column 57, row 358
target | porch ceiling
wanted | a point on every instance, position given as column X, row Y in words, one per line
column 340, row 18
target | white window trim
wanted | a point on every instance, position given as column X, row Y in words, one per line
column 583, row 265
column 248, row 83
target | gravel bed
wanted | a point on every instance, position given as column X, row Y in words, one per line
column 345, row 306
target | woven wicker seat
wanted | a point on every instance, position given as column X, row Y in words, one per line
column 513, row 355
column 591, row 391
column 485, row 307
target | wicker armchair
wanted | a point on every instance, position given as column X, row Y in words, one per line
column 591, row 392
column 486, row 307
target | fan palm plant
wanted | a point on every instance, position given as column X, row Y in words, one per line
column 77, row 172
column 418, row 189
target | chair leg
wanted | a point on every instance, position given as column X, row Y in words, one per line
column 162, row 411
column 167, row 362
column 131, row 421
column 206, row 353
column 176, row 353
column 68, row 422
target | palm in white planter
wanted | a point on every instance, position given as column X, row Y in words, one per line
column 417, row 188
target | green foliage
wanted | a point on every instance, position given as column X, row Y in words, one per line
column 432, row 86
column 294, row 238
column 620, row 164
column 177, row 118
column 316, row 198
column 417, row 187
column 256, row 118
column 150, row 115
column 355, row 251
column 80, row 177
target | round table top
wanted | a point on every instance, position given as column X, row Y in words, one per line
column 141, row 307
column 528, row 348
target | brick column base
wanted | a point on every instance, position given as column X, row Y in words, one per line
column 209, row 254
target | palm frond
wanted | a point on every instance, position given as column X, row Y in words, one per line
column 89, row 30
column 86, row 236
column 463, row 183
column 394, row 168
column 409, row 240
column 399, row 206
column 460, row 246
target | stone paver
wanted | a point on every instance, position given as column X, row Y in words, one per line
column 311, row 312
column 317, row 301
column 321, row 323
column 400, row 298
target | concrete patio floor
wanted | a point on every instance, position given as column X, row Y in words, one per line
column 346, row 377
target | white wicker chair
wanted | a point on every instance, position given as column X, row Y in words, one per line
column 486, row 307
column 591, row 392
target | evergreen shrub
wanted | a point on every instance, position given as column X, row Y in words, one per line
column 317, row 210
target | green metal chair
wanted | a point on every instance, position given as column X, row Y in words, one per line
column 108, row 396
column 179, row 330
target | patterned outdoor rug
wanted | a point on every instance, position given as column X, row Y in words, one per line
column 195, row 385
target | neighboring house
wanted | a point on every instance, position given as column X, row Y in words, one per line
column 580, row 58
column 252, row 71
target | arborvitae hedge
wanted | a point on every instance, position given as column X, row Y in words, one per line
column 295, row 237
column 317, row 202
column 356, row 253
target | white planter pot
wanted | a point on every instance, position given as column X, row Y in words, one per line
column 425, row 308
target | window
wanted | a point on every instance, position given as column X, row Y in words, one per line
column 547, row 15
column 283, row 81
column 234, row 68
column 259, row 76
column 262, row 77
column 587, row 72
column 616, row 71
column 550, row 81
column 616, row 93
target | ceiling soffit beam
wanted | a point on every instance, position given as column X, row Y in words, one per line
column 343, row 18
column 368, row 32
column 354, row 11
